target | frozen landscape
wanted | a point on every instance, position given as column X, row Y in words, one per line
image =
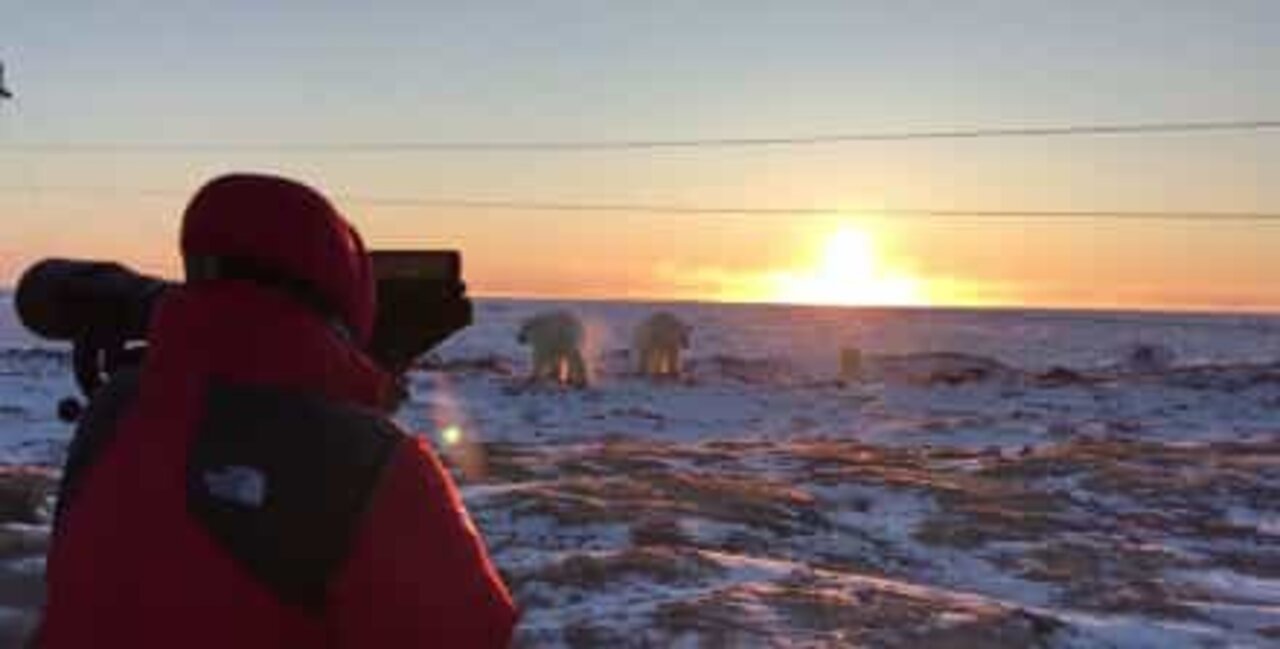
column 986, row 479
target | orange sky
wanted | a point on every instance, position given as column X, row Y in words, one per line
column 312, row 73
column 844, row 258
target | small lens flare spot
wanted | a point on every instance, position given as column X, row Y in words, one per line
column 451, row 435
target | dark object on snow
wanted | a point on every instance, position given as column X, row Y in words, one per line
column 1146, row 358
column 936, row 368
column 850, row 364
column 1058, row 377
column 5, row 93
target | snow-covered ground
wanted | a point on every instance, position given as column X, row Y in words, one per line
column 991, row 479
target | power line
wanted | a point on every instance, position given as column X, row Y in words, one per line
column 551, row 146
column 653, row 208
column 519, row 205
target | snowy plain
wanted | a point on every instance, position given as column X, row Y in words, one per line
column 987, row 479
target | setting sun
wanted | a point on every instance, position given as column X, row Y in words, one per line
column 850, row 271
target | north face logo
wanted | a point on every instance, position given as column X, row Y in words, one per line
column 238, row 485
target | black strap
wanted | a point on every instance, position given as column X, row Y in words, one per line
column 206, row 268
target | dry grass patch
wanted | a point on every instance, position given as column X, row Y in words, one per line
column 825, row 617
column 662, row 565
column 1112, row 578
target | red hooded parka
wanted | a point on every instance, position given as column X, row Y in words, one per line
column 241, row 490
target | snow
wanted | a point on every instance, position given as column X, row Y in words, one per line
column 1238, row 587
column 1267, row 523
column 960, row 487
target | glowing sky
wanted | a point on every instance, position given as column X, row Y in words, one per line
column 311, row 72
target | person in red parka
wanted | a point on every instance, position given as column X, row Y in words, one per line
column 243, row 488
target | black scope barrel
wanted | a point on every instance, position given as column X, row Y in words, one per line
column 65, row 299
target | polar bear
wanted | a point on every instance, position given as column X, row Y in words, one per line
column 556, row 338
column 657, row 343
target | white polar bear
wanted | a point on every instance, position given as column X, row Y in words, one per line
column 556, row 338
column 657, row 344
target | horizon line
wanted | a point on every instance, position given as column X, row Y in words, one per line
column 1065, row 308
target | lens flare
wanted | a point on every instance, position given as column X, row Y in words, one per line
column 451, row 436
column 458, row 437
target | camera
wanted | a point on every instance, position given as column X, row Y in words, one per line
column 422, row 301
column 103, row 309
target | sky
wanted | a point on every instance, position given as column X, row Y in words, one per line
column 241, row 72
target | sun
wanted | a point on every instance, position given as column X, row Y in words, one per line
column 848, row 271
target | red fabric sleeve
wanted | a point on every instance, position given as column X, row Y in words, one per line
column 418, row 574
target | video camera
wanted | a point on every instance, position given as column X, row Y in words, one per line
column 103, row 309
